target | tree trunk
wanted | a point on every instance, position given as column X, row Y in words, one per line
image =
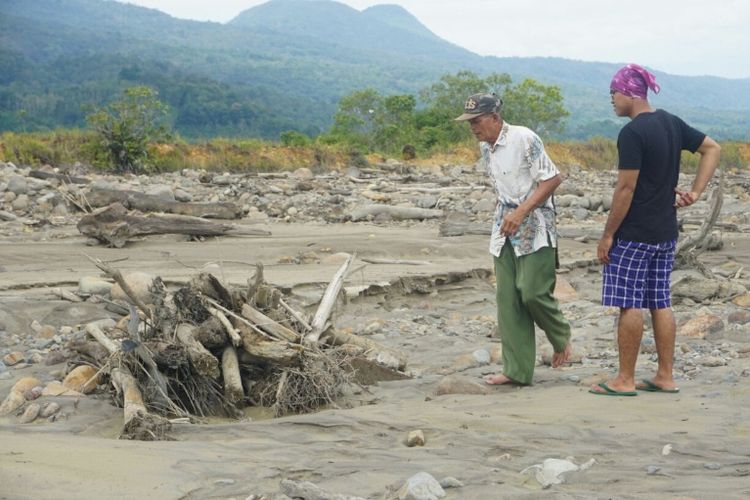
column 114, row 226
column 151, row 203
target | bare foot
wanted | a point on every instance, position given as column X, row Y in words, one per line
column 498, row 380
column 562, row 357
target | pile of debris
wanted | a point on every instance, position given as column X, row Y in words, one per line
column 206, row 349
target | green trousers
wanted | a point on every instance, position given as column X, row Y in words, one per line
column 524, row 296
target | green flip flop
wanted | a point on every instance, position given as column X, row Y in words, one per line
column 647, row 385
column 611, row 392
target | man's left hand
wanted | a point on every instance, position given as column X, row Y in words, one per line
column 511, row 222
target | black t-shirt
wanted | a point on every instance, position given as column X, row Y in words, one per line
column 652, row 143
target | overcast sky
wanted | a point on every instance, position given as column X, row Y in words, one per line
column 684, row 37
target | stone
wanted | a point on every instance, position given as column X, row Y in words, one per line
column 92, row 285
column 700, row 326
column 83, row 378
column 415, row 438
column 421, row 486
column 455, row 384
column 139, row 283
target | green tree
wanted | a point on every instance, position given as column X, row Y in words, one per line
column 445, row 100
column 537, row 106
column 128, row 125
column 355, row 121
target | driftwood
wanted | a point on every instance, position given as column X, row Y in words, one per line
column 211, row 333
column 152, row 203
column 257, row 348
column 230, row 370
column 138, row 423
column 204, row 362
column 395, row 213
column 320, row 320
column 690, row 246
column 114, row 226
column 268, row 325
column 69, row 179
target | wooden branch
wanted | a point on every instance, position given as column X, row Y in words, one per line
column 239, row 318
column 440, row 189
column 236, row 339
column 395, row 213
column 116, row 275
column 268, row 325
column 295, row 315
column 110, row 345
column 372, row 260
column 203, row 361
column 230, row 369
column 320, row 320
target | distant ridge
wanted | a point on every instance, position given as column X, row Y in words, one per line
column 284, row 65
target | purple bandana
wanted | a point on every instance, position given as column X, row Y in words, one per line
column 634, row 81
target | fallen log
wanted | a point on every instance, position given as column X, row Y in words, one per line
column 151, row 203
column 268, row 325
column 395, row 213
column 202, row 360
column 230, row 370
column 256, row 348
column 114, row 226
column 69, row 179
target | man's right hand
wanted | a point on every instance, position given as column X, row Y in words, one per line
column 602, row 250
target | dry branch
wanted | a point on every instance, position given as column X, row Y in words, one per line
column 320, row 320
column 395, row 213
column 152, row 203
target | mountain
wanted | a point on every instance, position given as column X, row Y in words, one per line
column 283, row 65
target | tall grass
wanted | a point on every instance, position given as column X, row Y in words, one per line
column 67, row 147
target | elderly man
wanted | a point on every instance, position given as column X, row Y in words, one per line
column 638, row 244
column 523, row 239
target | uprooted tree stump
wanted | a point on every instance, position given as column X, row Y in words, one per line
column 206, row 349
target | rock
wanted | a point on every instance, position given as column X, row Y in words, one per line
column 139, row 283
column 82, row 378
column 451, row 482
column 415, row 438
column 698, row 290
column 30, row 414
column 91, row 285
column 739, row 317
column 421, row 486
column 700, row 326
column 49, row 409
column 13, row 358
column 564, row 291
column 56, row 388
column 17, row 185
column 15, row 398
column 455, row 384
column 302, row 174
column 742, row 300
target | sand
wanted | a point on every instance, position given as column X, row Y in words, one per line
column 482, row 440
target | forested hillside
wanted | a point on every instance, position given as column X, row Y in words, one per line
column 283, row 65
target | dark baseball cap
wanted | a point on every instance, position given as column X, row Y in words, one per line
column 480, row 104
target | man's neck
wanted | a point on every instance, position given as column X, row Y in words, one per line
column 640, row 106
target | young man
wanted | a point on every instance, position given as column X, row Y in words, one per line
column 523, row 239
column 638, row 244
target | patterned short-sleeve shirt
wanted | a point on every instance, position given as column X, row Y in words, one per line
column 516, row 164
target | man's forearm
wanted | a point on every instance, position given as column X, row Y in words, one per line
column 621, row 200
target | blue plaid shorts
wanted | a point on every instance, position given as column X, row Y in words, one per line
column 637, row 275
